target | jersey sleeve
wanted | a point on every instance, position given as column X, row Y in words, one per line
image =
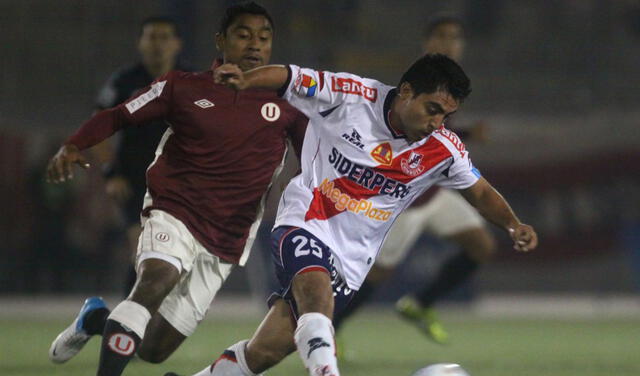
column 461, row 173
column 313, row 92
column 150, row 103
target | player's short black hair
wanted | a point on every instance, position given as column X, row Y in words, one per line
column 239, row 9
column 160, row 20
column 437, row 72
column 441, row 19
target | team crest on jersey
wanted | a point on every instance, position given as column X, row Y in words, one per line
column 412, row 166
column 307, row 85
column 383, row 154
column 270, row 111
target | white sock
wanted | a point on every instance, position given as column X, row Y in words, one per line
column 316, row 346
column 131, row 315
column 231, row 363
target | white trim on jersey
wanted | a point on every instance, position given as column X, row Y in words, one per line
column 140, row 101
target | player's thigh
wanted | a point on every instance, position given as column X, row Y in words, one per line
column 273, row 340
column 308, row 278
column 401, row 238
column 312, row 292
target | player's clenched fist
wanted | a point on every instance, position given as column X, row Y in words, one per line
column 230, row 75
column 60, row 166
column 524, row 237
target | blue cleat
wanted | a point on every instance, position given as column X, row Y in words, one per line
column 68, row 343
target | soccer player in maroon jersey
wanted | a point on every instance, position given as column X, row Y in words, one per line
column 212, row 168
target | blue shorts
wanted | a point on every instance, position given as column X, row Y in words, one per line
column 296, row 251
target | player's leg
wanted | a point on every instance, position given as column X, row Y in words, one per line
column 401, row 238
column 156, row 278
column 165, row 255
column 185, row 306
column 126, row 325
column 271, row 343
column 477, row 246
column 314, row 335
column 449, row 217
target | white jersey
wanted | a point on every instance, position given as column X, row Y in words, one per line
column 358, row 174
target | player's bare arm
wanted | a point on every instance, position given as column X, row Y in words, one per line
column 496, row 210
column 271, row 77
column 60, row 166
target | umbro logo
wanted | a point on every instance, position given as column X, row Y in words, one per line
column 203, row 103
column 354, row 138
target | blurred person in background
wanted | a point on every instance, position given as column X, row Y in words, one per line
column 439, row 212
column 206, row 188
column 159, row 45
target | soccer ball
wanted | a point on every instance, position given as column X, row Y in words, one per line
column 441, row 369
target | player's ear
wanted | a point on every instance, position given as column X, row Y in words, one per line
column 406, row 91
column 219, row 42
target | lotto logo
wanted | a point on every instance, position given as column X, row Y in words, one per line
column 351, row 86
column 203, row 103
column 122, row 344
column 163, row 237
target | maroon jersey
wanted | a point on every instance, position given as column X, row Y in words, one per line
column 216, row 160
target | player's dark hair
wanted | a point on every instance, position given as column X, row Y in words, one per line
column 239, row 9
column 436, row 72
column 160, row 20
column 440, row 19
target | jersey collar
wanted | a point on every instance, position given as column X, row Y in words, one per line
column 386, row 112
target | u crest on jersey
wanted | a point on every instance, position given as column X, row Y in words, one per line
column 270, row 112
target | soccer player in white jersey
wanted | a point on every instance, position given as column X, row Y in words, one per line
column 369, row 150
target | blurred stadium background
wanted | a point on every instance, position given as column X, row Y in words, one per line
column 557, row 82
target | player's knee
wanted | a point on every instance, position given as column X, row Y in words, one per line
column 156, row 279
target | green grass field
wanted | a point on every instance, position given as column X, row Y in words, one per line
column 376, row 344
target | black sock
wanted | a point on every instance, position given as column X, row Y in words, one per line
column 119, row 344
column 452, row 273
column 95, row 320
column 362, row 296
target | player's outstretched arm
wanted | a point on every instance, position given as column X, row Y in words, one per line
column 495, row 209
column 60, row 166
column 270, row 77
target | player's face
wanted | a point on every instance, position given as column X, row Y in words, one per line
column 159, row 44
column 247, row 42
column 422, row 114
column 446, row 39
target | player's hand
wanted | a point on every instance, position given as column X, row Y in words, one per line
column 231, row 76
column 524, row 238
column 60, row 167
column 118, row 188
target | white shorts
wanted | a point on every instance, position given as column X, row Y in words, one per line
column 446, row 214
column 202, row 274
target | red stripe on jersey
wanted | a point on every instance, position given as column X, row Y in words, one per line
column 322, row 207
column 313, row 268
column 321, row 79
